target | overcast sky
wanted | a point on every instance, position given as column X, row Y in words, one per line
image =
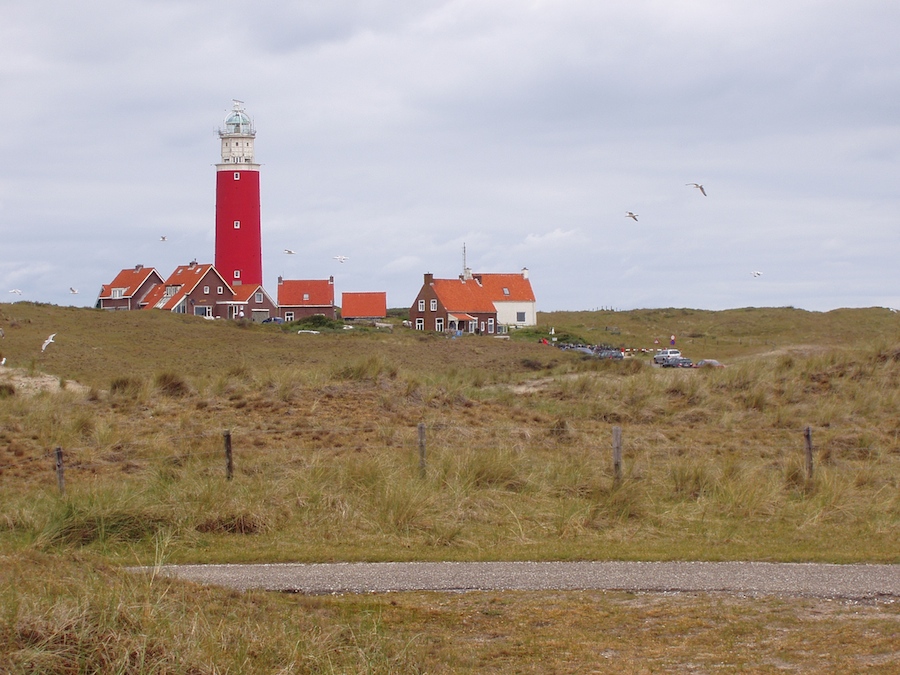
column 394, row 132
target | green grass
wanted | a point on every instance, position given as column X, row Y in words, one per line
column 518, row 450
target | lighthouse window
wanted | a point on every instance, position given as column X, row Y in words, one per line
column 237, row 274
column 237, row 224
column 237, row 176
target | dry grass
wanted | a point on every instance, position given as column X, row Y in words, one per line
column 518, row 467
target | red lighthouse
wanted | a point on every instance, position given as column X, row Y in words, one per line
column 238, row 232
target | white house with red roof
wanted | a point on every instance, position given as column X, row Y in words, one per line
column 474, row 303
column 301, row 298
column 129, row 289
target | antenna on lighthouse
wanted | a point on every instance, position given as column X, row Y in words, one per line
column 464, row 257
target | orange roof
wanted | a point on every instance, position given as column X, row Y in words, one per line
column 507, row 287
column 371, row 305
column 130, row 280
column 244, row 292
column 458, row 295
column 306, row 293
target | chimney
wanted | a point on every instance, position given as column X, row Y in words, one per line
column 280, row 281
column 331, row 280
column 429, row 279
column 524, row 272
column 138, row 268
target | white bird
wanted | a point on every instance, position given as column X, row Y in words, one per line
column 289, row 251
column 164, row 238
column 756, row 274
column 73, row 290
column 698, row 186
column 341, row 258
column 47, row 342
column 633, row 216
column 16, row 291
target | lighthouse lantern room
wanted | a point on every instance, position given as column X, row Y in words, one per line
column 238, row 232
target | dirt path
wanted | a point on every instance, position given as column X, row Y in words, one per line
column 800, row 579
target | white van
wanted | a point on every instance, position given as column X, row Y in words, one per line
column 664, row 355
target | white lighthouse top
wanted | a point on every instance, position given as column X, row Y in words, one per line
column 238, row 121
column 237, row 139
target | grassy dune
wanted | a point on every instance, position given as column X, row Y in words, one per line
column 518, row 466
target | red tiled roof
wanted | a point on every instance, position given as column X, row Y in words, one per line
column 130, row 280
column 318, row 292
column 372, row 305
column 186, row 277
column 244, row 292
column 457, row 295
column 518, row 287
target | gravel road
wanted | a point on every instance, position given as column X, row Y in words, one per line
column 749, row 578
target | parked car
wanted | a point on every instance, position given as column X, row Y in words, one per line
column 664, row 355
column 273, row 319
column 708, row 363
column 614, row 354
column 678, row 362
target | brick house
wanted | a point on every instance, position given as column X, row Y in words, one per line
column 193, row 289
column 301, row 298
column 253, row 302
column 129, row 289
column 474, row 303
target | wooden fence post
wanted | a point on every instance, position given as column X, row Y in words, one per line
column 229, row 464
column 617, row 453
column 422, row 449
column 60, row 476
column 807, row 434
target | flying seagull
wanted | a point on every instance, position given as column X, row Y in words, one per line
column 289, row 251
column 164, row 238
column 73, row 291
column 698, row 186
column 47, row 342
column 341, row 258
column 756, row 274
column 633, row 216
column 16, row 291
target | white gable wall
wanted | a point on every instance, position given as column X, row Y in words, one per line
column 507, row 313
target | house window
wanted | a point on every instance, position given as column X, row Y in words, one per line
column 490, row 325
column 202, row 310
column 473, row 326
column 237, row 274
column 439, row 325
column 420, row 323
column 305, row 297
column 237, row 224
column 237, row 176
column 421, row 305
column 505, row 291
column 258, row 298
column 433, row 305
column 520, row 317
column 219, row 290
column 171, row 290
column 118, row 293
column 206, row 290
column 288, row 316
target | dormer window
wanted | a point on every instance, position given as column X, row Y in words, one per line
column 118, row 293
